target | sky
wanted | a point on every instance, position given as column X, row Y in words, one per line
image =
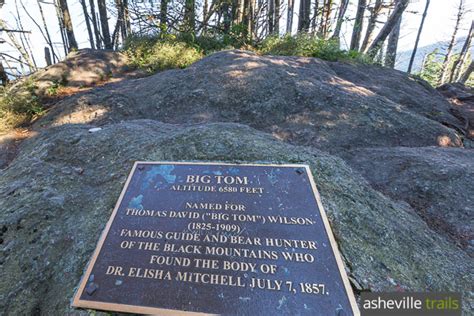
column 438, row 27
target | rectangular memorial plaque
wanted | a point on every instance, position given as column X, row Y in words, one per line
column 214, row 238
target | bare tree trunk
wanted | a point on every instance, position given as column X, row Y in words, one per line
column 126, row 19
column 68, row 25
column 314, row 20
column 418, row 35
column 323, row 15
column 241, row 14
column 3, row 75
column 121, row 24
column 226, row 16
column 276, row 24
column 121, row 18
column 340, row 18
column 204, row 15
column 17, row 45
column 118, row 24
column 388, row 27
column 392, row 45
column 95, row 25
column 303, row 20
column 358, row 25
column 371, row 24
column 47, row 56
column 61, row 26
column 250, row 19
column 164, row 16
column 457, row 67
column 46, row 31
column 88, row 23
column 271, row 18
column 24, row 37
column 449, row 52
column 189, row 16
column 289, row 18
column 104, row 23
column 231, row 16
column 465, row 76
column 326, row 18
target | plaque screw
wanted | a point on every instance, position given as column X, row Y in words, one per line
column 340, row 312
column 91, row 288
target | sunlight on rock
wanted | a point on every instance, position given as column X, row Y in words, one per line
column 444, row 141
column 253, row 65
column 351, row 88
column 343, row 116
column 281, row 135
column 203, row 117
column 81, row 116
column 302, row 118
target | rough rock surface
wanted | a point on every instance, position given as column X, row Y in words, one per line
column 58, row 192
column 437, row 182
column 299, row 100
column 61, row 190
column 395, row 85
column 84, row 67
column 462, row 99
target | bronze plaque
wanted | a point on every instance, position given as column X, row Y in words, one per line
column 215, row 238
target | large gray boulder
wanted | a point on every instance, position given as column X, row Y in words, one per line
column 60, row 188
column 81, row 68
column 57, row 196
column 411, row 92
column 462, row 99
column 437, row 182
column 298, row 100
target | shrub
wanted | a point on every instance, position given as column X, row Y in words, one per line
column 153, row 54
column 308, row 45
column 18, row 104
column 208, row 43
column 432, row 68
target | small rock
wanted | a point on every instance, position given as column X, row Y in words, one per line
column 95, row 129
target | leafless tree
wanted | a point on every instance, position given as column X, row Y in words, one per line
column 104, row 23
column 449, row 52
column 392, row 21
column 93, row 18
column 303, row 19
column 358, row 25
column 289, row 17
column 88, row 23
column 372, row 23
column 392, row 45
column 340, row 18
column 17, row 45
column 68, row 28
column 465, row 76
column 418, row 35
column 458, row 64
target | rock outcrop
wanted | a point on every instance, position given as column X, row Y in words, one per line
column 401, row 228
column 462, row 100
column 81, row 68
column 61, row 190
column 437, row 182
column 298, row 100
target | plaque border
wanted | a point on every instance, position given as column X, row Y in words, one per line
column 116, row 307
